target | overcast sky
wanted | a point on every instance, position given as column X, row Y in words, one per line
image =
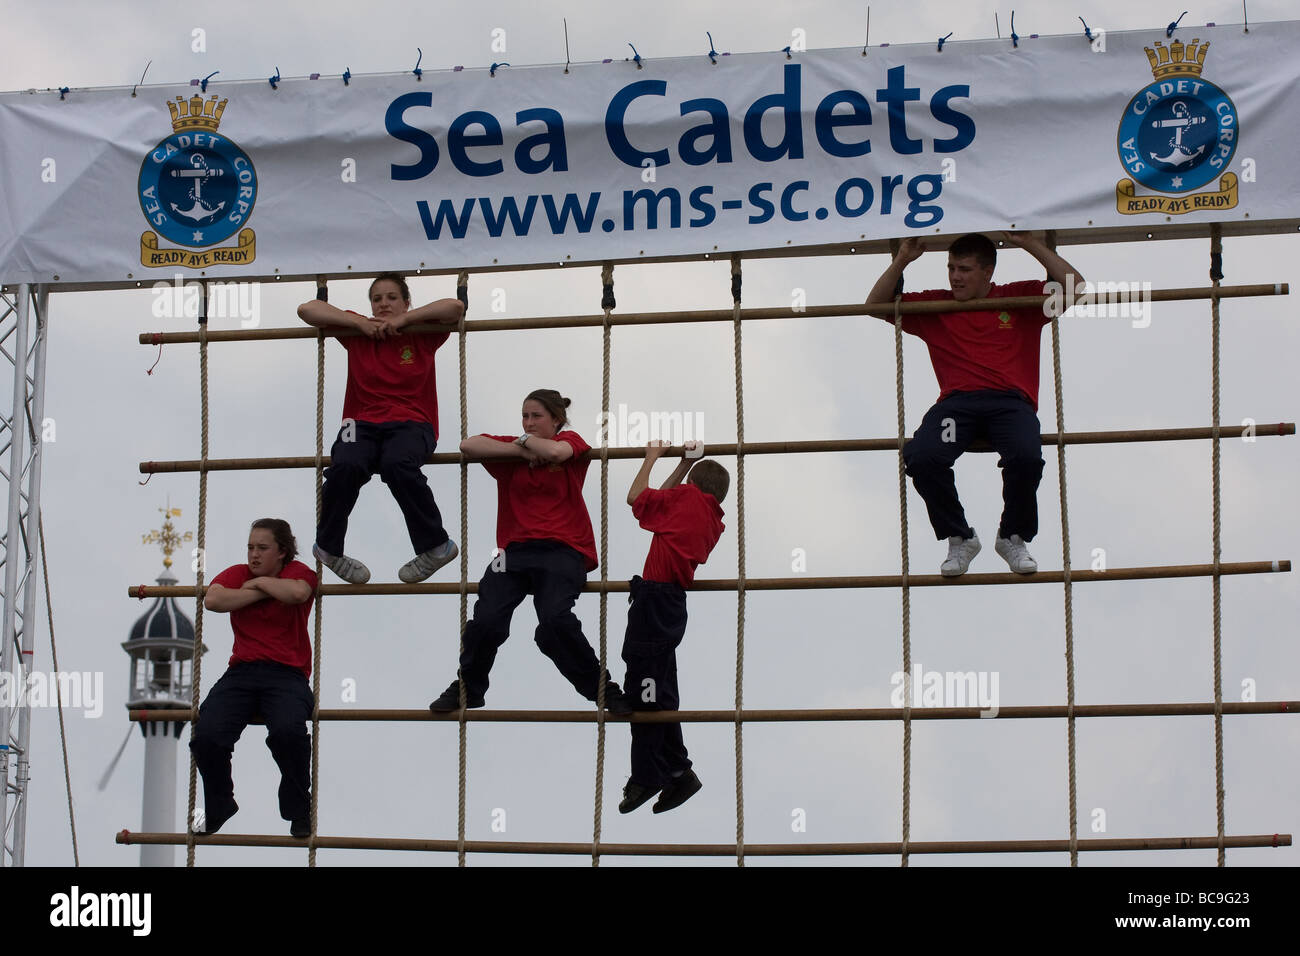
column 1144, row 504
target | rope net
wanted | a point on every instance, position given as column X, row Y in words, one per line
column 1070, row 712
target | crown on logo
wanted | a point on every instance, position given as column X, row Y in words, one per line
column 1176, row 59
column 196, row 114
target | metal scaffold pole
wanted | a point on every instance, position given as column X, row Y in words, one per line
column 23, row 320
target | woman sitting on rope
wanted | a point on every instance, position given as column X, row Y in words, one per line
column 545, row 548
column 268, row 599
column 390, row 424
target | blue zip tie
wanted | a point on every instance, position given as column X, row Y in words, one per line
column 1086, row 30
column 347, row 74
column 636, row 57
column 1169, row 30
column 786, row 51
column 419, row 73
column 273, row 80
column 1015, row 39
column 492, row 71
column 457, row 69
column 203, row 83
column 63, row 92
column 313, row 76
column 713, row 54
column 607, row 60
column 942, row 40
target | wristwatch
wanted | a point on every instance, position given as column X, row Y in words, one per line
column 522, row 440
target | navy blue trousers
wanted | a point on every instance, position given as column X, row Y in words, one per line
column 1010, row 424
column 396, row 451
column 553, row 573
column 281, row 696
column 656, row 623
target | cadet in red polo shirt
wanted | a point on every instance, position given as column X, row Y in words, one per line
column 986, row 362
column 269, row 600
column 545, row 548
column 687, row 521
column 390, row 427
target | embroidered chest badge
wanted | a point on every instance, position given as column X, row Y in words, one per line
column 407, row 356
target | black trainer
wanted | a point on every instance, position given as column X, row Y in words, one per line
column 213, row 821
column 616, row 701
column 450, row 700
column 678, row 791
column 634, row 795
column 300, row 828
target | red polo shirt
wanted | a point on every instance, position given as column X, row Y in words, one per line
column 686, row 522
column 392, row 379
column 545, row 501
column 271, row 630
column 988, row 349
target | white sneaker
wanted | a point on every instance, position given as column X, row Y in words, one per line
column 349, row 569
column 960, row 553
column 1015, row 553
column 423, row 565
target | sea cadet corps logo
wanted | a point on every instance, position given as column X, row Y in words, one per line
column 1177, row 134
column 197, row 189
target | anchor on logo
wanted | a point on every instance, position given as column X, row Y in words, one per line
column 1178, row 153
column 199, row 209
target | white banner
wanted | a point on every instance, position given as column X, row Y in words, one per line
column 674, row 157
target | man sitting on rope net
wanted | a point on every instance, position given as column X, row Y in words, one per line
column 987, row 366
column 269, row 600
column 390, row 424
column 687, row 522
column 545, row 547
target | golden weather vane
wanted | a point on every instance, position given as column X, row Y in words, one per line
column 167, row 535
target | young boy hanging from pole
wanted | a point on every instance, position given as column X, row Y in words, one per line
column 687, row 521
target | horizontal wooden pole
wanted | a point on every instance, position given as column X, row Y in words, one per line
column 713, row 315
column 805, row 583
column 753, row 448
column 126, row 837
column 858, row 248
column 776, row 716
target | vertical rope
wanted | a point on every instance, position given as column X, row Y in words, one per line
column 907, row 591
column 1216, row 275
column 1069, row 586
column 462, row 293
column 320, row 599
column 197, row 654
column 54, row 659
column 607, row 304
column 740, row 559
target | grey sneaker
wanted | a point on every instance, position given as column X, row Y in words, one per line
column 349, row 569
column 1015, row 553
column 960, row 553
column 423, row 565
